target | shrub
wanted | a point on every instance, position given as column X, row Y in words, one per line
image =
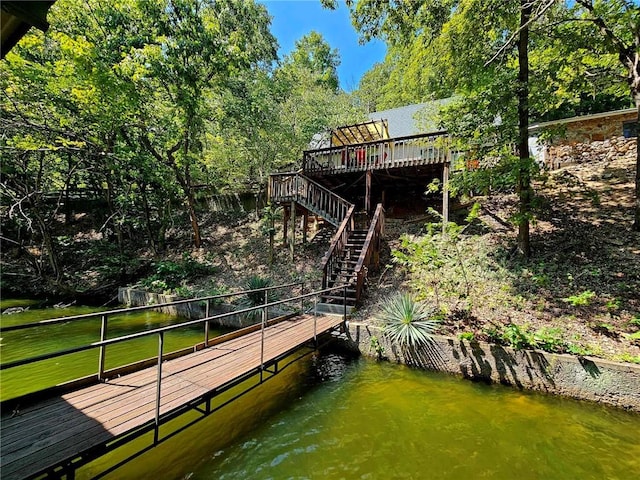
column 408, row 322
column 581, row 300
column 256, row 282
column 550, row 339
column 517, row 337
column 469, row 336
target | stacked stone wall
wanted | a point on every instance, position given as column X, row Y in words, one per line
column 570, row 153
column 591, row 140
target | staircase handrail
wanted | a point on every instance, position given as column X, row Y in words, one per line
column 309, row 193
column 338, row 245
column 370, row 248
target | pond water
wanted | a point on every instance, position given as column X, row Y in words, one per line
column 46, row 339
column 332, row 416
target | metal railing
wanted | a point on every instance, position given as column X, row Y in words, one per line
column 423, row 149
column 104, row 318
column 162, row 330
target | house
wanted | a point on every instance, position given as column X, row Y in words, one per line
column 585, row 138
column 352, row 177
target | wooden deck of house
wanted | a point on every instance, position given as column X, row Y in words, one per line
column 385, row 154
column 59, row 432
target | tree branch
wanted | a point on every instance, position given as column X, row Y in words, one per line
column 546, row 6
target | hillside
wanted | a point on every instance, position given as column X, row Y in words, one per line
column 578, row 293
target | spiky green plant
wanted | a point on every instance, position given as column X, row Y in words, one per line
column 256, row 282
column 407, row 322
column 253, row 299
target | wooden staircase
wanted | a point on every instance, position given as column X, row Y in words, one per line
column 352, row 251
column 343, row 270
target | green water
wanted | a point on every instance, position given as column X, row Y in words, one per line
column 335, row 418
column 328, row 416
column 46, row 339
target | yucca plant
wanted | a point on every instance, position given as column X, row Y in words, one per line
column 253, row 299
column 256, row 282
column 407, row 322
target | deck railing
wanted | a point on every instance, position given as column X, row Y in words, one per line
column 414, row 150
column 370, row 251
column 337, row 247
column 284, row 187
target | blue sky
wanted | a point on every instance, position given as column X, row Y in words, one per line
column 294, row 18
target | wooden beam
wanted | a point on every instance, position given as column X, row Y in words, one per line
column 285, row 226
column 293, row 229
column 445, row 197
column 305, row 225
column 367, row 197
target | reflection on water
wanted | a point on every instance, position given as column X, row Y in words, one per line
column 330, row 417
column 22, row 344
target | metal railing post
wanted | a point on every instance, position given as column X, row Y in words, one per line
column 264, row 322
column 315, row 324
column 207, row 312
column 103, row 348
column 156, row 431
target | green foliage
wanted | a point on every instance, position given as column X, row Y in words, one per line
column 468, row 336
column 376, row 347
column 629, row 358
column 256, row 282
column 407, row 322
column 580, row 350
column 550, row 339
column 583, row 299
column 169, row 275
column 270, row 214
column 437, row 261
column 518, row 338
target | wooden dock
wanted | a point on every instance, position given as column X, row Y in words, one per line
column 80, row 424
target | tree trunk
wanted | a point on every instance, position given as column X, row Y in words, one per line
column 524, row 177
column 636, row 223
column 147, row 218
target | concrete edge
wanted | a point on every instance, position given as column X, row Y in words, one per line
column 584, row 378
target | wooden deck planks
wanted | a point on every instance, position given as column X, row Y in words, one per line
column 46, row 434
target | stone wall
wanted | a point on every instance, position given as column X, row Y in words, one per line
column 583, row 378
column 559, row 155
column 591, row 140
column 193, row 310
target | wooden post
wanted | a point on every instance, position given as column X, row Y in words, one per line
column 285, row 226
column 293, row 229
column 367, row 197
column 445, row 197
column 305, row 225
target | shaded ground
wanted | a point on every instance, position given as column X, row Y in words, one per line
column 579, row 292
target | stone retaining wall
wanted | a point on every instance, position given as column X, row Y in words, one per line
column 192, row 311
column 566, row 153
column 582, row 378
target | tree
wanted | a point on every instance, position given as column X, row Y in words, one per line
column 314, row 55
column 311, row 101
column 469, row 48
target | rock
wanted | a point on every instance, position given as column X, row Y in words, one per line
column 12, row 310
